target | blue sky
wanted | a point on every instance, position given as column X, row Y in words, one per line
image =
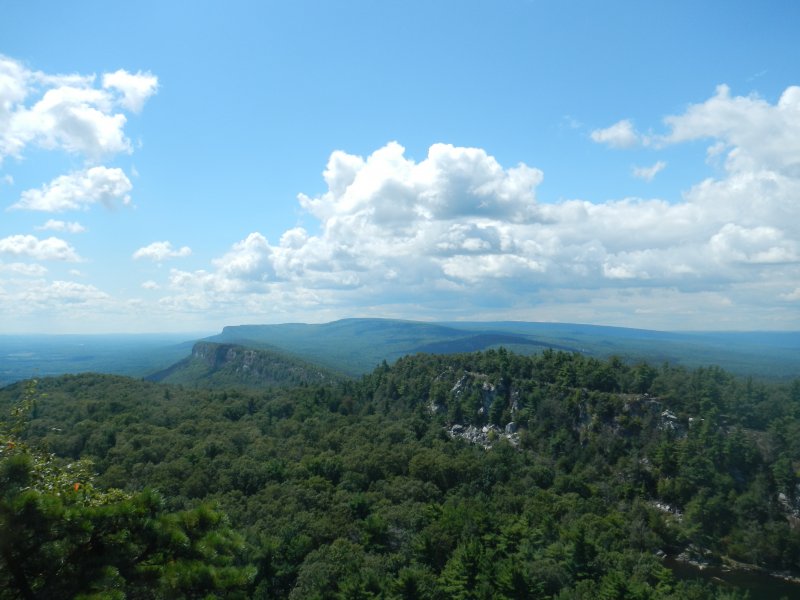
column 177, row 166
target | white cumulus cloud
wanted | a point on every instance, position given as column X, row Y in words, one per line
column 68, row 112
column 30, row 246
column 79, row 190
column 389, row 218
column 457, row 228
column 65, row 306
column 757, row 135
column 161, row 251
column 14, row 84
column 455, row 232
column 55, row 296
column 619, row 135
column 648, row 173
column 135, row 88
column 25, row 269
column 74, row 119
column 734, row 243
column 65, row 226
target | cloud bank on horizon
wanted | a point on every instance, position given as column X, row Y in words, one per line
column 452, row 235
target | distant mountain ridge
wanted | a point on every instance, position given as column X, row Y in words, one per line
column 231, row 365
column 356, row 346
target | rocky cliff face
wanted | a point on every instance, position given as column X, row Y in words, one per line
column 218, row 355
column 219, row 365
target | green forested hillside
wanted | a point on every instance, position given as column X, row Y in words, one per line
column 484, row 475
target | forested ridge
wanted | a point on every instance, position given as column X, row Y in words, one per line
column 581, row 474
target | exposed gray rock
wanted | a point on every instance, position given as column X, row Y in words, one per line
column 485, row 436
column 790, row 506
column 668, row 509
column 435, row 408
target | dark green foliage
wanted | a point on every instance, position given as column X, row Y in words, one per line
column 359, row 490
column 62, row 537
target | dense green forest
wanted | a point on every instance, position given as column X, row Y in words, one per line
column 483, row 475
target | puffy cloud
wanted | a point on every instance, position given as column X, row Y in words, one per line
column 68, row 307
column 648, row 173
column 52, row 248
column 66, row 226
column 67, row 111
column 73, row 119
column 13, row 87
column 379, row 215
column 135, row 88
column 55, row 302
column 72, row 292
column 150, row 285
column 161, row 251
column 757, row 245
column 757, row 135
column 13, row 91
column 619, row 135
column 458, row 229
column 474, row 269
column 79, row 190
column 246, row 268
column 25, row 269
column 248, row 260
column 451, row 182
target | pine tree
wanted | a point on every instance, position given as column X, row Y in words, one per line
column 63, row 537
